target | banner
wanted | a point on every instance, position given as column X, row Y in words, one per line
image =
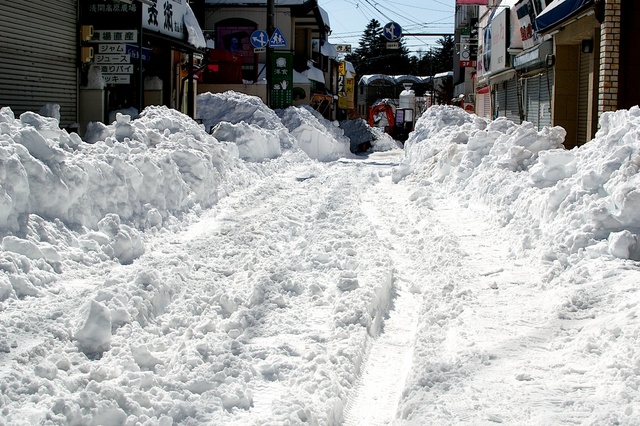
column 478, row 2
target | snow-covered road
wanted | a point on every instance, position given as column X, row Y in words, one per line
column 263, row 275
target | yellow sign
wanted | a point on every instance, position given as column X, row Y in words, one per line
column 349, row 85
column 343, row 102
column 342, row 69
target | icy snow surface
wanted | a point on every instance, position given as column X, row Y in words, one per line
column 261, row 274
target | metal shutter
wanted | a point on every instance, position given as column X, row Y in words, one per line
column 38, row 51
column 483, row 103
column 512, row 111
column 501, row 101
column 583, row 99
column 546, row 88
column 533, row 100
column 487, row 106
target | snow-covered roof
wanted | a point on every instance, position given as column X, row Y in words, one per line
column 405, row 78
column 350, row 67
column 325, row 17
column 300, row 78
column 370, row 78
column 194, row 32
column 314, row 73
column 327, row 49
column 444, row 74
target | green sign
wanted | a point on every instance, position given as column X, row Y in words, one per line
column 281, row 80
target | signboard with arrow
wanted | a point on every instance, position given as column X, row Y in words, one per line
column 259, row 39
column 392, row 31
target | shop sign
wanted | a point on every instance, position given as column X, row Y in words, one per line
column 494, row 53
column 343, row 48
column 132, row 50
column 112, row 48
column 165, row 17
column 343, row 102
column 117, row 79
column 101, row 59
column 281, row 81
column 110, row 14
column 526, row 18
column 117, row 69
column 342, row 68
column 349, row 86
column 341, row 84
column 114, row 36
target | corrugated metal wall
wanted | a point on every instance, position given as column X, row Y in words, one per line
column 533, row 100
column 546, row 89
column 583, row 99
column 38, row 51
column 513, row 101
column 538, row 99
column 508, row 100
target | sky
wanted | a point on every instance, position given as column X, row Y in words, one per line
column 349, row 19
column 261, row 274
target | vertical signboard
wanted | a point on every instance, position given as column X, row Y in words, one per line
column 349, row 84
column 281, row 90
column 495, row 40
column 342, row 86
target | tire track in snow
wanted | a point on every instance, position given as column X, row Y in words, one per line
column 387, row 361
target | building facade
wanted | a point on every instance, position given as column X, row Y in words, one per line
column 560, row 62
column 93, row 57
column 316, row 76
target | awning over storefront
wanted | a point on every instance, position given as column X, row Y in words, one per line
column 534, row 57
column 501, row 77
column 558, row 11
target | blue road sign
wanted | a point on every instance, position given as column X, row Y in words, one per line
column 259, row 39
column 392, row 31
column 277, row 39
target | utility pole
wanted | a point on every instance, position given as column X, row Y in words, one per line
column 271, row 12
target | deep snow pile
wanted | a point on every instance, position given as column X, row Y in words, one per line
column 234, row 107
column 135, row 175
column 165, row 338
column 277, row 287
column 535, row 181
column 359, row 132
column 318, row 137
column 301, row 127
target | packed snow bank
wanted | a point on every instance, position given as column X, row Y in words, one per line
column 55, row 175
column 234, row 107
column 360, row 133
column 135, row 175
column 253, row 143
column 537, row 187
column 321, row 139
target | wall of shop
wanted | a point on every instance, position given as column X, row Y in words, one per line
column 38, row 56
